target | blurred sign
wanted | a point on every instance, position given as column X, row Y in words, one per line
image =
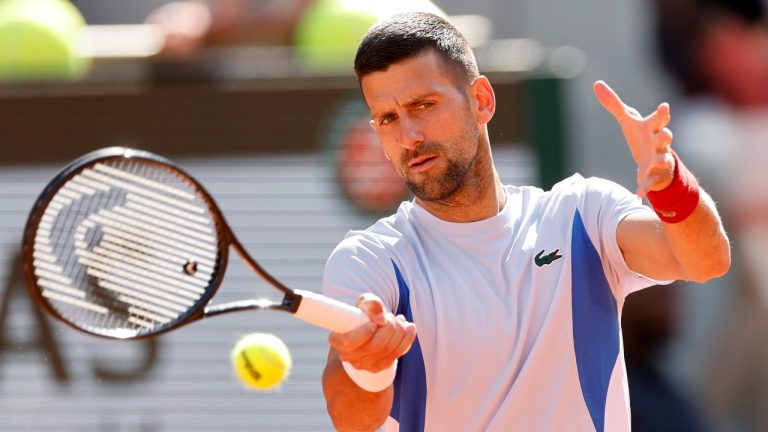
column 365, row 175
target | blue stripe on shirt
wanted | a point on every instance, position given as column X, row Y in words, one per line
column 410, row 402
column 595, row 323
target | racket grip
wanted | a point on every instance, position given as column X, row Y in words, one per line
column 340, row 317
column 330, row 314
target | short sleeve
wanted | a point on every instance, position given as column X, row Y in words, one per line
column 360, row 264
column 605, row 205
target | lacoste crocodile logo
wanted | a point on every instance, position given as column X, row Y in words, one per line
column 547, row 259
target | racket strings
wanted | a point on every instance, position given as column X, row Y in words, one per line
column 125, row 247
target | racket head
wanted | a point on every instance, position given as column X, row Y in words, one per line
column 124, row 244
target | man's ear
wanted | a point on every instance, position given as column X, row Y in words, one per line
column 483, row 98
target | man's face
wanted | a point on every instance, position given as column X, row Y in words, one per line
column 426, row 125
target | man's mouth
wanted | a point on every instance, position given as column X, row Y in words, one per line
column 421, row 162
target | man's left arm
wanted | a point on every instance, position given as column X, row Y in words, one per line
column 686, row 240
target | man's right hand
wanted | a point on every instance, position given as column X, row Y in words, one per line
column 376, row 345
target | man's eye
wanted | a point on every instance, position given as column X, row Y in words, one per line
column 425, row 105
column 386, row 119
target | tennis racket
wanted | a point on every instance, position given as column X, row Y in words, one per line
column 124, row 244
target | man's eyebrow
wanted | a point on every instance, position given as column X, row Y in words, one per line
column 380, row 114
column 411, row 102
column 420, row 98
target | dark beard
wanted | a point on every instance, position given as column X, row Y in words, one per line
column 441, row 187
column 449, row 182
column 458, row 171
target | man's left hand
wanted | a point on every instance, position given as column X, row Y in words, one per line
column 648, row 139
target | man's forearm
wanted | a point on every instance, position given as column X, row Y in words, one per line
column 350, row 407
column 699, row 243
column 695, row 249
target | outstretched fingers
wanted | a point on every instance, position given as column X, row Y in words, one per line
column 664, row 139
column 648, row 138
column 660, row 118
column 612, row 102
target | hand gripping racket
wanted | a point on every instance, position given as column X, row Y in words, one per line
column 124, row 244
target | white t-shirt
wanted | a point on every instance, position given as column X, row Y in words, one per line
column 517, row 316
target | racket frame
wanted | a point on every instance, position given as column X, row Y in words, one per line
column 202, row 307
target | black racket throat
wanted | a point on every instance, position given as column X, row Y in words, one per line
column 290, row 302
column 255, row 266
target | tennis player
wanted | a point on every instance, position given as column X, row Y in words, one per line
column 516, row 292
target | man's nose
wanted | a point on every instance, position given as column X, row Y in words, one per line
column 411, row 135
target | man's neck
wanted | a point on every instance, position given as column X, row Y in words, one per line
column 469, row 206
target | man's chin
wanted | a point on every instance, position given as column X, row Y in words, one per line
column 430, row 192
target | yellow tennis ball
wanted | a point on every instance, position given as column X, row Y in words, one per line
column 38, row 40
column 329, row 31
column 261, row 361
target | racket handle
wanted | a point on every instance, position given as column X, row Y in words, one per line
column 340, row 317
column 330, row 314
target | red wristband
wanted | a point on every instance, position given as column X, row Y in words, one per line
column 677, row 201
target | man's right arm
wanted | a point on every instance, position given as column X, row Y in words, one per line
column 351, row 408
column 372, row 347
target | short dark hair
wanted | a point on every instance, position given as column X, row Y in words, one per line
column 406, row 35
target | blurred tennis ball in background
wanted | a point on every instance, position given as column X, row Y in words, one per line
column 261, row 361
column 38, row 40
column 329, row 31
